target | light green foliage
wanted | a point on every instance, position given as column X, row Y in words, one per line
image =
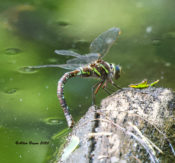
column 74, row 142
column 143, row 84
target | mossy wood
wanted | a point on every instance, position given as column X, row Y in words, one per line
column 131, row 125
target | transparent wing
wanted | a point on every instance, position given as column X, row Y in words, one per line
column 104, row 41
column 67, row 53
column 98, row 48
column 80, row 59
column 72, row 64
column 84, row 59
column 65, row 66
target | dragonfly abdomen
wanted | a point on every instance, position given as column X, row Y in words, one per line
column 60, row 95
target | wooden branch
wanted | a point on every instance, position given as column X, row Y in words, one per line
column 131, row 125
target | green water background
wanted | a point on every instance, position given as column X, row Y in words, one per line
column 31, row 30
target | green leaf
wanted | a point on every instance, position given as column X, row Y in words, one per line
column 143, row 84
column 74, row 142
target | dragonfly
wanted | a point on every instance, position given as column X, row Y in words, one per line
column 88, row 65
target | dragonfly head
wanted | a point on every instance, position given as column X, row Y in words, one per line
column 116, row 69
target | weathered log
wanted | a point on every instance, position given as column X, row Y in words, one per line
column 131, row 125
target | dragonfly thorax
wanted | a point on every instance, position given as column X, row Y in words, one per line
column 101, row 69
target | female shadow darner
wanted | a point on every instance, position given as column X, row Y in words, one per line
column 88, row 65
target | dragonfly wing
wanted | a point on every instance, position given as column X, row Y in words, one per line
column 85, row 59
column 91, row 57
column 104, row 41
column 65, row 66
column 67, row 53
column 42, row 66
column 70, row 66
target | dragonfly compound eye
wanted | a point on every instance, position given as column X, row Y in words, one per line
column 117, row 71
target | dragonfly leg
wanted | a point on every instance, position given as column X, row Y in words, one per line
column 105, row 88
column 97, row 86
column 116, row 86
column 110, row 89
column 107, row 91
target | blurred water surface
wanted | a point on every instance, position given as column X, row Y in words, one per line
column 31, row 31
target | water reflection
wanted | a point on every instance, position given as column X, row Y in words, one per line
column 12, row 51
column 10, row 91
column 156, row 42
column 53, row 121
column 63, row 23
column 27, row 70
